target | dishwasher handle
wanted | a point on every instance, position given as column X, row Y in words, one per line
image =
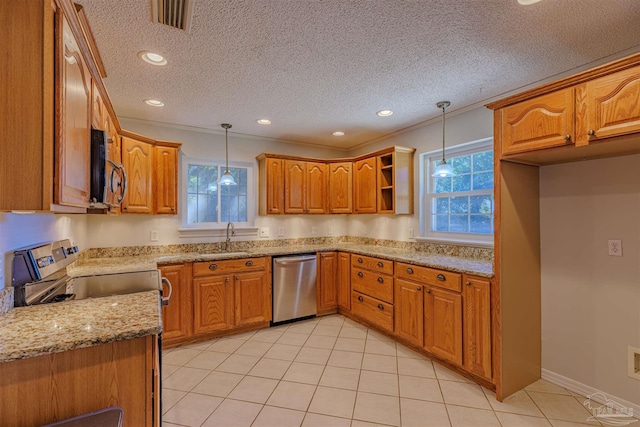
column 294, row 259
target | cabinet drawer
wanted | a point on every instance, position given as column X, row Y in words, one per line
column 371, row 263
column 430, row 276
column 231, row 265
column 373, row 310
column 372, row 283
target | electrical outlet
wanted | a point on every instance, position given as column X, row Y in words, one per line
column 264, row 232
column 615, row 247
column 314, row 230
column 365, row 230
column 280, row 231
column 330, row 231
column 634, row 362
column 411, row 233
column 154, row 235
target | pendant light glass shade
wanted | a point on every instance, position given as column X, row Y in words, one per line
column 226, row 178
column 443, row 170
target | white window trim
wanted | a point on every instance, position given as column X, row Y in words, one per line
column 216, row 229
column 469, row 239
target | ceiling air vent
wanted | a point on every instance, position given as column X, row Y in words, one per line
column 174, row 13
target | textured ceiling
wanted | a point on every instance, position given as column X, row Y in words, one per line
column 313, row 67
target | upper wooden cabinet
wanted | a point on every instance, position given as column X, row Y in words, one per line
column 365, row 186
column 395, row 181
column 166, row 177
column 271, row 186
column 73, row 148
column 542, row 122
column 305, row 187
column 341, row 188
column 137, row 159
column 610, row 106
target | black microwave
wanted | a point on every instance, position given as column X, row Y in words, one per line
column 108, row 179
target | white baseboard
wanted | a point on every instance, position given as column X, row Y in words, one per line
column 585, row 390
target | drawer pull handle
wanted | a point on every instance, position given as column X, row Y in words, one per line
column 248, row 263
column 468, row 283
column 380, row 280
column 360, row 299
column 380, row 264
column 410, row 270
column 381, row 307
column 360, row 274
column 428, row 291
column 441, row 277
column 360, row 260
column 213, row 266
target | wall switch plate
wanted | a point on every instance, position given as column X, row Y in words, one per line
column 330, row 231
column 411, row 233
column 634, row 362
column 154, row 235
column 280, row 231
column 615, row 247
column 314, row 230
column 365, row 230
column 263, row 232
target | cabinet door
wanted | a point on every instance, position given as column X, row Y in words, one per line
column 344, row 281
column 73, row 148
column 327, row 291
column 177, row 317
column 443, row 324
column 274, row 177
column 166, row 173
column 252, row 298
column 341, row 188
column 213, row 304
column 137, row 159
column 97, row 109
column 294, row 186
column 365, row 186
column 612, row 106
column 316, row 188
column 477, row 326
column 542, row 122
column 408, row 311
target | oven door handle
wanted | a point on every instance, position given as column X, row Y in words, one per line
column 165, row 300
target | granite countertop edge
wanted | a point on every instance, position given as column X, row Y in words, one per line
column 27, row 332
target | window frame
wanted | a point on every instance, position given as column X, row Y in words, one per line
column 220, row 163
column 426, row 195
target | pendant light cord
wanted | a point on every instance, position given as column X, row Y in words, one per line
column 443, row 118
column 226, row 127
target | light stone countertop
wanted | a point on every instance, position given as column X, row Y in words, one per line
column 147, row 262
column 51, row 328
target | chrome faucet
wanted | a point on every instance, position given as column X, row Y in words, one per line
column 233, row 233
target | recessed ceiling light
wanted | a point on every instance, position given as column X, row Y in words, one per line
column 527, row 2
column 337, row 133
column 152, row 58
column 154, row 102
column 384, row 113
column 263, row 121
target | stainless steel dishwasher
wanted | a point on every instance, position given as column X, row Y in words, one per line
column 294, row 287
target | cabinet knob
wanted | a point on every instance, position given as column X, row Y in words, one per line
column 173, row 209
column 213, row 266
column 360, row 274
column 360, row 260
column 428, row 291
column 591, row 132
column 125, row 208
column 381, row 307
column 226, row 279
column 237, row 277
column 248, row 263
column 441, row 277
column 468, row 283
column 380, row 264
column 360, row 299
column 418, row 288
column 380, row 280
column 410, row 270
column 567, row 137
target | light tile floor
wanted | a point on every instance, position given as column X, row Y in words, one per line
column 332, row 371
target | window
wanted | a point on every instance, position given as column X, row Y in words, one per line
column 208, row 205
column 459, row 208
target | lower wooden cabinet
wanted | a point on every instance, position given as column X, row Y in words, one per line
column 443, row 324
column 377, row 312
column 327, row 286
column 477, row 326
column 252, row 298
column 177, row 317
column 409, row 311
column 213, row 304
column 344, row 281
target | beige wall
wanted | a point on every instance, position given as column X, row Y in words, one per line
column 591, row 301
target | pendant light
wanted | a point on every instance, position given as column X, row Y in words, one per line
column 443, row 170
column 226, row 179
